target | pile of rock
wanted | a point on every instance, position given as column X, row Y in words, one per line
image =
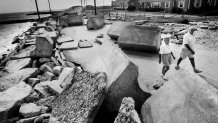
column 36, row 74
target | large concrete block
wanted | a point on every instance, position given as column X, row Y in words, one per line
column 145, row 38
column 185, row 98
column 44, row 46
column 63, row 21
column 75, row 20
column 95, row 22
column 16, row 77
column 116, row 28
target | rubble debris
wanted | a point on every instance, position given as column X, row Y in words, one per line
column 35, row 64
column 55, row 61
column 62, row 56
column 85, row 44
column 80, row 102
column 27, row 120
column 95, row 22
column 33, row 97
column 63, row 21
column 70, row 64
column 49, row 76
column 187, row 97
column 29, row 110
column 16, row 77
column 55, row 87
column 33, row 81
column 64, row 39
column 141, row 38
column 127, row 112
column 47, row 101
column 11, row 98
column 45, row 68
column 116, row 29
column 25, row 53
column 15, row 65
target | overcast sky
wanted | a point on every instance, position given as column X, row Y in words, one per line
column 9, row 6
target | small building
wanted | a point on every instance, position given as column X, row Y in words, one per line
column 120, row 4
column 167, row 5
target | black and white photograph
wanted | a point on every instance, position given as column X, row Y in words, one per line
column 108, row 61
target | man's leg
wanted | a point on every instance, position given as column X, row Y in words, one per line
column 178, row 62
column 163, row 69
column 166, row 69
column 192, row 60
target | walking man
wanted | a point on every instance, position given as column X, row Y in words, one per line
column 188, row 49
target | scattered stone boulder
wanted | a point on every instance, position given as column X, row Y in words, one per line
column 55, row 87
column 57, row 70
column 45, row 68
column 33, row 97
column 29, row 110
column 11, row 99
column 127, row 112
column 80, row 102
column 16, row 77
column 44, row 60
column 49, row 76
column 95, row 22
column 185, row 98
column 33, row 81
column 15, row 65
column 43, row 89
column 66, row 77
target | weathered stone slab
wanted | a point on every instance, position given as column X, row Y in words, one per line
column 95, row 22
column 27, row 120
column 85, row 44
column 64, row 39
column 29, row 110
column 55, row 87
column 185, row 98
column 15, row 65
column 16, row 77
column 11, row 99
column 127, row 112
column 146, row 38
column 68, row 46
column 116, row 28
column 80, row 102
column 62, row 56
column 65, row 78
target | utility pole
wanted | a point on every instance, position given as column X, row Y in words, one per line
column 95, row 7
column 49, row 6
column 37, row 9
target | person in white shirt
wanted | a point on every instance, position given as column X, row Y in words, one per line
column 165, row 55
column 188, row 49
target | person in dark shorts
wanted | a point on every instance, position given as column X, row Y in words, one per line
column 188, row 49
column 165, row 55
